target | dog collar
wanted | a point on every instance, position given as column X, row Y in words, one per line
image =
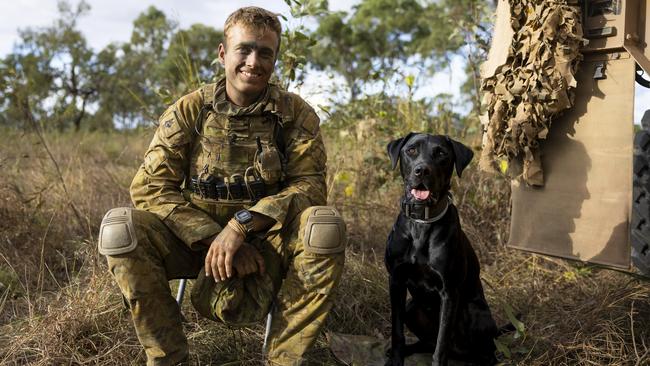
column 425, row 212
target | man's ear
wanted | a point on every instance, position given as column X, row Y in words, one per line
column 395, row 146
column 463, row 155
column 221, row 52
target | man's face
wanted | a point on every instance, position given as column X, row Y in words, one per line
column 249, row 59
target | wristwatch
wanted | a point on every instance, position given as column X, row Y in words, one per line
column 245, row 219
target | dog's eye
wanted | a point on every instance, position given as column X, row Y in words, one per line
column 439, row 153
column 411, row 151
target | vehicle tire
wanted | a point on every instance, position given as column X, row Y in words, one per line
column 640, row 221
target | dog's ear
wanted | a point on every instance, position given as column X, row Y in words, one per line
column 395, row 146
column 463, row 155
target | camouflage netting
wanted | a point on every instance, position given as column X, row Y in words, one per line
column 534, row 84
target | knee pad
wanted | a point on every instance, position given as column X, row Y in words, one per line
column 117, row 232
column 323, row 230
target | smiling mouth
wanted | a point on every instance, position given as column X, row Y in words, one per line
column 251, row 75
column 420, row 192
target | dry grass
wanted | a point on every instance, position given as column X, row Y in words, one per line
column 58, row 305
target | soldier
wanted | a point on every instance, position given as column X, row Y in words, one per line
column 230, row 191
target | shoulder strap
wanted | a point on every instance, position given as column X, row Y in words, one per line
column 207, row 93
column 283, row 105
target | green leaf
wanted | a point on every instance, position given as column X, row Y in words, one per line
column 518, row 324
column 325, row 109
column 290, row 55
column 521, row 350
column 503, row 349
column 410, row 79
column 300, row 36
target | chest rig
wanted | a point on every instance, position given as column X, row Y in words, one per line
column 239, row 157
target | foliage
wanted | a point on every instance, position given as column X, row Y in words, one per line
column 190, row 59
column 382, row 37
column 56, row 63
column 297, row 41
column 55, row 76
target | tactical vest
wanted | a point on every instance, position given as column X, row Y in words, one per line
column 237, row 158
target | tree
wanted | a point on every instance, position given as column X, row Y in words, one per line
column 381, row 37
column 70, row 62
column 190, row 60
column 53, row 65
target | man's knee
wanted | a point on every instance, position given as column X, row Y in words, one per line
column 321, row 255
column 127, row 239
column 322, row 231
column 124, row 229
column 117, row 232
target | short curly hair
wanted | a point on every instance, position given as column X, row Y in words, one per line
column 253, row 17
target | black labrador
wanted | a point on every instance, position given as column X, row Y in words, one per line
column 429, row 255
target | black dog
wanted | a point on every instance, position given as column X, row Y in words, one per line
column 428, row 254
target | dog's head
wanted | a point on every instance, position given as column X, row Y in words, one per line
column 427, row 163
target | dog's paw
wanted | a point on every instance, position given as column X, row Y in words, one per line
column 396, row 359
column 439, row 362
column 394, row 362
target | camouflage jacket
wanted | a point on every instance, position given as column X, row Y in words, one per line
column 182, row 148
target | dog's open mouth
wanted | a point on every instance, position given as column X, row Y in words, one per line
column 421, row 193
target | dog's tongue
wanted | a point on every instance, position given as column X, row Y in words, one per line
column 420, row 195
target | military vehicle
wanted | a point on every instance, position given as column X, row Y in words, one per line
column 581, row 178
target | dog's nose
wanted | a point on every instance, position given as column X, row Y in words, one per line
column 421, row 171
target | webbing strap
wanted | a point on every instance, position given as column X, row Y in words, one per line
column 207, row 93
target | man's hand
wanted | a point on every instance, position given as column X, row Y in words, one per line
column 218, row 261
column 224, row 246
column 248, row 260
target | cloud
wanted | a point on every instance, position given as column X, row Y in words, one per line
column 112, row 21
column 641, row 102
column 23, row 14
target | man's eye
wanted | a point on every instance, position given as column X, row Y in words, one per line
column 266, row 55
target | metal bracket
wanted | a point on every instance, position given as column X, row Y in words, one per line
column 599, row 72
column 603, row 7
column 601, row 32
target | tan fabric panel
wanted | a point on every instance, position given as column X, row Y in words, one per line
column 501, row 40
column 583, row 210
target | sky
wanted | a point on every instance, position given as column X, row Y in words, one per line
column 110, row 21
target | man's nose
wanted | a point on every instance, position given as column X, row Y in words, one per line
column 253, row 58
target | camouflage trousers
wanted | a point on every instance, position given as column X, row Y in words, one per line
column 303, row 291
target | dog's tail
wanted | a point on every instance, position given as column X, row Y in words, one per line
column 509, row 327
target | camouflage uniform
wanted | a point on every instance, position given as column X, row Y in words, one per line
column 170, row 221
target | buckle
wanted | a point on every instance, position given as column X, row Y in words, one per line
column 235, row 187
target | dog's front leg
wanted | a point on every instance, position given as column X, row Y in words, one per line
column 448, row 305
column 398, row 309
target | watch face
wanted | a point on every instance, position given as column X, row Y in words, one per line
column 243, row 216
